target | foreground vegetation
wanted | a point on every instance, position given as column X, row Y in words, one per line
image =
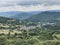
column 15, row 32
column 40, row 37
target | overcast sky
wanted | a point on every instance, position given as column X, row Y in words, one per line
column 29, row 5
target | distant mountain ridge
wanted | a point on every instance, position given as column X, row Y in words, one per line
column 18, row 15
column 35, row 16
column 8, row 14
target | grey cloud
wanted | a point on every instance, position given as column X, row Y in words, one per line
column 45, row 2
column 30, row 2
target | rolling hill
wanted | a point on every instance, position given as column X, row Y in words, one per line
column 46, row 16
column 24, row 15
column 18, row 15
column 36, row 16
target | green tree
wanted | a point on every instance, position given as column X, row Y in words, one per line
column 2, row 41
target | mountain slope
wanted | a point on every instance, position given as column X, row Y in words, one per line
column 24, row 15
column 18, row 15
column 45, row 17
column 36, row 16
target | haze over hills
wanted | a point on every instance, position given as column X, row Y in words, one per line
column 36, row 16
column 9, row 14
column 18, row 15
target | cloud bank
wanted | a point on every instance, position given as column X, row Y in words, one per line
column 29, row 5
column 29, row 8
